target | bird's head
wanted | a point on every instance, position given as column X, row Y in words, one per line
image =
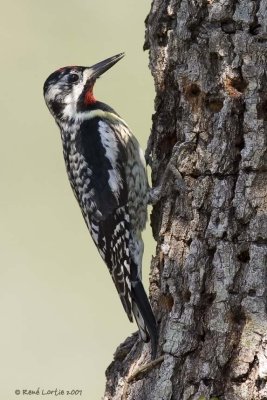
column 70, row 89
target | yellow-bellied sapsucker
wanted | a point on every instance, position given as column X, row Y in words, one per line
column 106, row 170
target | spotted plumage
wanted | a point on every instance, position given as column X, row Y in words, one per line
column 106, row 170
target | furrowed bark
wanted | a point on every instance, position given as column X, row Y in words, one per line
column 209, row 276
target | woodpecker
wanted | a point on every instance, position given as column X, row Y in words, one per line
column 107, row 173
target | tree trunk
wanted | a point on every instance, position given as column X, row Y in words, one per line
column 209, row 277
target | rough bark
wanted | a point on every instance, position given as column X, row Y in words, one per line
column 209, row 277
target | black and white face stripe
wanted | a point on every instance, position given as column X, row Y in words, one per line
column 65, row 90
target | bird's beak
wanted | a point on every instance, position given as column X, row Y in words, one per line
column 98, row 69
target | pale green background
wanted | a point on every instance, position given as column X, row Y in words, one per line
column 61, row 318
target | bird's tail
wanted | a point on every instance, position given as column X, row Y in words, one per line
column 144, row 316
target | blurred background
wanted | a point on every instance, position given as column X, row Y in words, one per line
column 61, row 318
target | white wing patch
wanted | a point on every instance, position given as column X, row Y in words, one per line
column 110, row 144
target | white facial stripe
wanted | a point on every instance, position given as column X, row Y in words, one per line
column 52, row 92
column 87, row 73
column 71, row 100
column 85, row 115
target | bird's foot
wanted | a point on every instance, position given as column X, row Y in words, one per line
column 179, row 152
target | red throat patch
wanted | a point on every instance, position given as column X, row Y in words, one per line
column 89, row 97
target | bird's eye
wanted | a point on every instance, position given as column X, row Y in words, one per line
column 73, row 78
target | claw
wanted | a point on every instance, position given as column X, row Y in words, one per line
column 155, row 195
column 161, row 190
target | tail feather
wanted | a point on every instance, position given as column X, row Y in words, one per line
column 144, row 316
column 140, row 322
